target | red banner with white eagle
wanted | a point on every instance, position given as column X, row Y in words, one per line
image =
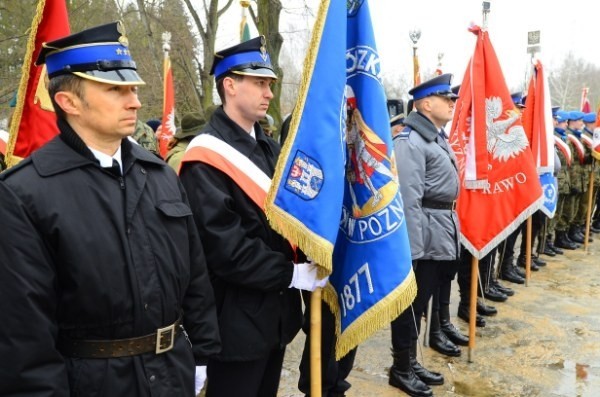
column 499, row 182
column 34, row 121
column 167, row 128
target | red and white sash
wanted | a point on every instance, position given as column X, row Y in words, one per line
column 578, row 147
column 224, row 157
column 564, row 148
column 587, row 141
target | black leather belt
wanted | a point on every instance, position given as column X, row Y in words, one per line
column 158, row 342
column 439, row 205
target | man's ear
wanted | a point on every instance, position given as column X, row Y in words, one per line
column 68, row 102
column 229, row 85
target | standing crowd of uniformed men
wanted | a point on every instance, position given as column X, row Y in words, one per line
column 119, row 278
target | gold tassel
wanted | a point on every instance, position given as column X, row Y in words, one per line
column 384, row 312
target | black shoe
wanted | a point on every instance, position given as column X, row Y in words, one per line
column 550, row 244
column 521, row 263
column 404, row 377
column 439, row 342
column 505, row 290
column 494, row 295
column 428, row 377
column 548, row 251
column 463, row 314
column 594, row 229
column 538, row 261
column 562, row 241
column 519, row 272
column 485, row 310
column 575, row 237
column 454, row 334
column 510, row 274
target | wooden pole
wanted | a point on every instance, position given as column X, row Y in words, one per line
column 473, row 305
column 528, row 253
column 588, row 216
column 315, row 343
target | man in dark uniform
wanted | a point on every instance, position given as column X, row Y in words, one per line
column 226, row 171
column 103, row 289
column 429, row 183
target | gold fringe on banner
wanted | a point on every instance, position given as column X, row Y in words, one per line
column 382, row 313
column 317, row 248
column 12, row 160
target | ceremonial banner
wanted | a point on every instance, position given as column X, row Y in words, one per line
column 586, row 107
column 34, row 121
column 168, row 127
column 539, row 127
column 497, row 169
column 596, row 144
column 335, row 192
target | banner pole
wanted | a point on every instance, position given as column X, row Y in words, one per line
column 589, row 207
column 528, row 252
column 315, row 343
column 473, row 305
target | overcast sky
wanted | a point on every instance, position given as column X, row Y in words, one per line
column 566, row 26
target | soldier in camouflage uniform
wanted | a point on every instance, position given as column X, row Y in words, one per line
column 561, row 217
column 191, row 124
column 144, row 136
column 578, row 173
column 587, row 136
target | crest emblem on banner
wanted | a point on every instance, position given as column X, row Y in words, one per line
column 504, row 140
column 305, row 178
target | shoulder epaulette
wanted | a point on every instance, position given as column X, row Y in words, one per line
column 404, row 134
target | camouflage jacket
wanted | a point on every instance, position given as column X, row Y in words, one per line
column 145, row 137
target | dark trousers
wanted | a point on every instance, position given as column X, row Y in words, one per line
column 333, row 372
column 404, row 329
column 507, row 249
column 537, row 221
column 258, row 378
column 441, row 295
column 486, row 265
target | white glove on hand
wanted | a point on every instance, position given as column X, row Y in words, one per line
column 305, row 277
column 200, row 378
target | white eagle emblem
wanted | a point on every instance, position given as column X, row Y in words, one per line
column 503, row 141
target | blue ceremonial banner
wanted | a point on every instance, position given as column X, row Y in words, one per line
column 550, row 189
column 335, row 192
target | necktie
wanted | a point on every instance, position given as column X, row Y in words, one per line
column 115, row 169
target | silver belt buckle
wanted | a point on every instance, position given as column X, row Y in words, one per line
column 165, row 338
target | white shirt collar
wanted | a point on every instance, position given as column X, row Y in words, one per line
column 252, row 133
column 106, row 160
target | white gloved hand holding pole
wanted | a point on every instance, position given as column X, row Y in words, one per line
column 305, row 277
column 200, row 378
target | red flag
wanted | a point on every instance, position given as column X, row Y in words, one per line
column 167, row 128
column 34, row 121
column 586, row 107
column 499, row 179
column 537, row 120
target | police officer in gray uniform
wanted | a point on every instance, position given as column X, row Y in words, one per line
column 429, row 184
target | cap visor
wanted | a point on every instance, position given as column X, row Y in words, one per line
column 117, row 77
column 259, row 72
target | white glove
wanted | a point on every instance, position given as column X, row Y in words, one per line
column 305, row 277
column 200, row 378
